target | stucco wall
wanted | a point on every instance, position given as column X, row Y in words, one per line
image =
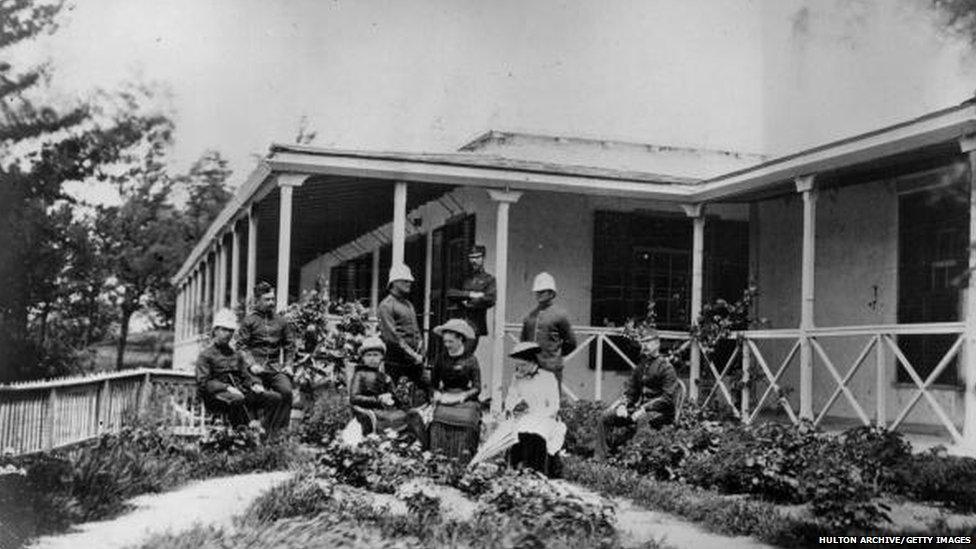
column 855, row 284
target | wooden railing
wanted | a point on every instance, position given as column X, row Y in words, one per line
column 600, row 338
column 881, row 342
column 44, row 415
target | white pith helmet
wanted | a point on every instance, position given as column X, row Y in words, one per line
column 544, row 281
column 225, row 318
column 400, row 272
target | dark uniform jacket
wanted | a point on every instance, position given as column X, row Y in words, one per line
column 398, row 328
column 549, row 327
column 219, row 367
column 653, row 385
column 474, row 310
column 367, row 386
column 264, row 336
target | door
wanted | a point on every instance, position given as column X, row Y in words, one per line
column 449, row 267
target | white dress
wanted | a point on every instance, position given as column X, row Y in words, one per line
column 541, row 393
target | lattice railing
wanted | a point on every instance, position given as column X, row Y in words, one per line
column 750, row 365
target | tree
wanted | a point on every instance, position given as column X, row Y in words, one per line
column 144, row 238
column 62, row 142
column 207, row 193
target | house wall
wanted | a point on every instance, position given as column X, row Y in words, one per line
column 547, row 231
column 855, row 284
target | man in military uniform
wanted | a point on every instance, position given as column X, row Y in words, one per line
column 400, row 332
column 648, row 397
column 228, row 387
column 266, row 341
column 477, row 295
column 549, row 326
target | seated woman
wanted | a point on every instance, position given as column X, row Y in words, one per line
column 371, row 391
column 456, row 383
column 533, row 402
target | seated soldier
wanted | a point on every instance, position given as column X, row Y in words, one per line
column 226, row 385
column 532, row 402
column 649, row 396
column 371, row 391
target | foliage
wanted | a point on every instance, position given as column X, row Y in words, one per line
column 93, row 482
column 581, row 418
column 330, row 414
column 719, row 319
column 301, row 495
column 937, row 477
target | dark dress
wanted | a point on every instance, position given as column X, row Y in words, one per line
column 455, row 428
column 364, row 396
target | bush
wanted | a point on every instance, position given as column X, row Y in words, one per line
column 301, row 495
column 937, row 477
column 330, row 414
column 581, row 418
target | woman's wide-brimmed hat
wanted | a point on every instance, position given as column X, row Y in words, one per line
column 525, row 350
column 458, row 326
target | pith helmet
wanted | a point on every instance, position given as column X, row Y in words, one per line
column 544, row 281
column 225, row 318
column 457, row 326
column 372, row 343
column 400, row 272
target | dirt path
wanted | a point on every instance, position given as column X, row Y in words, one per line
column 638, row 525
column 214, row 501
column 217, row 501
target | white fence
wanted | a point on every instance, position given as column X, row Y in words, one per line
column 44, row 415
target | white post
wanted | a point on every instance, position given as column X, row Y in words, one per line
column 428, row 271
column 806, row 186
column 696, row 213
column 504, row 199
column 286, row 184
column 881, row 383
column 220, row 274
column 252, row 254
column 235, row 266
column 374, row 283
column 177, row 317
column 598, row 373
column 205, row 280
column 968, row 364
column 399, row 221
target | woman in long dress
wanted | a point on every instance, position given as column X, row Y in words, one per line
column 532, row 403
column 455, row 383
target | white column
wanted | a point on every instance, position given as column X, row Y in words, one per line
column 805, row 185
column 968, row 360
column 220, row 274
column 399, row 221
column 504, row 200
column 696, row 213
column 374, row 283
column 205, row 280
column 252, row 254
column 286, row 184
column 428, row 271
column 178, row 315
column 191, row 327
column 235, row 266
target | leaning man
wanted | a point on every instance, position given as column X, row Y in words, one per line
column 225, row 384
column 649, row 395
column 267, row 344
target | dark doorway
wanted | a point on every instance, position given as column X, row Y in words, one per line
column 448, row 268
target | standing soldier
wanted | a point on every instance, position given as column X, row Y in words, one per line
column 548, row 325
column 477, row 295
column 399, row 330
column 266, row 340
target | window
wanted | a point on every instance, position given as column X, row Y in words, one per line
column 640, row 256
column 933, row 214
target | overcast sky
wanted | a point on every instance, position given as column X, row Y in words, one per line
column 757, row 76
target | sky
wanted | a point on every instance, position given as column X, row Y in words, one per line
column 755, row 76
